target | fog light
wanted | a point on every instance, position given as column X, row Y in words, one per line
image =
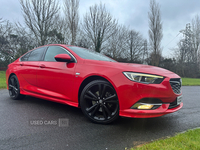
column 145, row 106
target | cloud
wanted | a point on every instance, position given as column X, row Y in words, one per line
column 175, row 15
column 10, row 10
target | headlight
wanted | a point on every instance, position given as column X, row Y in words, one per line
column 144, row 78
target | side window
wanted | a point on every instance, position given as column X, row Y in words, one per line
column 25, row 57
column 37, row 54
column 52, row 51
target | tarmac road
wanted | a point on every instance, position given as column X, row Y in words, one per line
column 38, row 124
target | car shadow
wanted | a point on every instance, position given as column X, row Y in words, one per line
column 62, row 110
column 129, row 131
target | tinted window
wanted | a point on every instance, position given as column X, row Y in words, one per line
column 37, row 54
column 52, row 51
column 25, row 57
column 89, row 54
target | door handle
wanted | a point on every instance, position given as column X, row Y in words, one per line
column 42, row 66
column 21, row 64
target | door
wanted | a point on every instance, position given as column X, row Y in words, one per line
column 56, row 79
column 28, row 67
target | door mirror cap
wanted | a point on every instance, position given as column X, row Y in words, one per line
column 63, row 58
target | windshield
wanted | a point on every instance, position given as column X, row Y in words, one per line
column 89, row 54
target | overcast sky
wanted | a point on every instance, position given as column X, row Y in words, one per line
column 175, row 14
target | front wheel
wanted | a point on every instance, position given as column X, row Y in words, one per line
column 99, row 102
column 14, row 88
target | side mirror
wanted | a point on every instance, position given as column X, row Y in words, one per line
column 63, row 58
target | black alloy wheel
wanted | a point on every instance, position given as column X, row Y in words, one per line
column 99, row 102
column 14, row 88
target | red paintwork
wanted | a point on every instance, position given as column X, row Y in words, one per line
column 57, row 81
column 63, row 56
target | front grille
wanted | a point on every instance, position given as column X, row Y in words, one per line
column 176, row 85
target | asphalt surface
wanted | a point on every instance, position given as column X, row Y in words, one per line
column 38, row 124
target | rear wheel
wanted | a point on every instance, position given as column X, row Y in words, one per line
column 99, row 102
column 14, row 88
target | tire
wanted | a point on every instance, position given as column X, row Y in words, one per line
column 14, row 88
column 99, row 102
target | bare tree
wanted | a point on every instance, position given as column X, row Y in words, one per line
column 195, row 38
column 99, row 26
column 195, row 48
column 58, row 32
column 145, row 52
column 1, row 20
column 14, row 41
column 83, row 40
column 155, row 32
column 116, row 47
column 180, row 56
column 188, row 49
column 6, row 53
column 135, row 46
column 72, row 18
column 25, row 40
column 39, row 17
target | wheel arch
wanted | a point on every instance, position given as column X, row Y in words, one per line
column 18, row 94
column 88, row 80
column 11, row 75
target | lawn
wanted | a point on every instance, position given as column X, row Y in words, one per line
column 191, row 81
column 2, row 79
column 189, row 140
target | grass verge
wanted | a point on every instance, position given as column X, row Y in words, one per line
column 190, row 81
column 189, row 140
column 2, row 79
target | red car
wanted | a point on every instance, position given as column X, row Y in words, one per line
column 103, row 88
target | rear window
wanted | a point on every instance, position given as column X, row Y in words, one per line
column 25, row 57
column 35, row 55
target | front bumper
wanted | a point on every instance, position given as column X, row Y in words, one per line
column 129, row 93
